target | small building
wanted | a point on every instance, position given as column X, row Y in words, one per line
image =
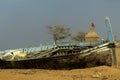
column 92, row 36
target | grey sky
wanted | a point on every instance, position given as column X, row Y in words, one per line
column 23, row 22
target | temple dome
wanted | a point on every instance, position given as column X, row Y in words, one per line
column 92, row 34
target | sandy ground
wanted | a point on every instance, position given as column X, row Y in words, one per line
column 95, row 73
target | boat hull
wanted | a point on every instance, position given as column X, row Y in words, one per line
column 73, row 61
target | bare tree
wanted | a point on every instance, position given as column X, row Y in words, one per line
column 80, row 36
column 59, row 32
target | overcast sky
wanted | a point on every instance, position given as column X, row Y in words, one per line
column 23, row 22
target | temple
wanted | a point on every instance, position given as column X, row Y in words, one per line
column 92, row 36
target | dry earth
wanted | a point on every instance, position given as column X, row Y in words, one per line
column 95, row 73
